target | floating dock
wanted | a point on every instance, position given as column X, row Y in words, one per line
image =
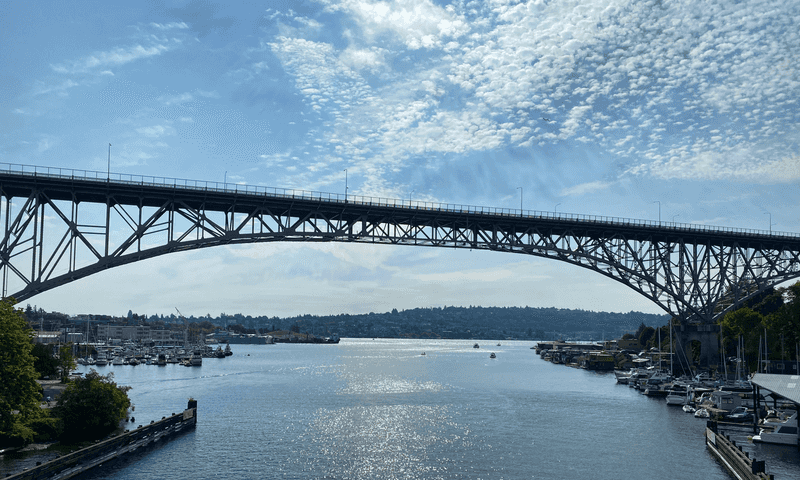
column 737, row 462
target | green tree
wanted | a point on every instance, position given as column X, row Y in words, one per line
column 44, row 361
column 19, row 391
column 91, row 407
column 646, row 334
column 66, row 360
column 746, row 323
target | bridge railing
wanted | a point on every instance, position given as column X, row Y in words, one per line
column 226, row 187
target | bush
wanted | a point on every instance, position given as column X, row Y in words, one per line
column 45, row 428
column 18, row 435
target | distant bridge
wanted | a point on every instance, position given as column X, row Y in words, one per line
column 61, row 225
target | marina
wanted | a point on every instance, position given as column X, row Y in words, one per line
column 729, row 405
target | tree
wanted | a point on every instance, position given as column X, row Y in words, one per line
column 91, row 407
column 18, row 388
column 646, row 334
column 66, row 361
column 44, row 361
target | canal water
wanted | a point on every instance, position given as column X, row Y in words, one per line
column 379, row 409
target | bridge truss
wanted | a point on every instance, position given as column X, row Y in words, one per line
column 60, row 227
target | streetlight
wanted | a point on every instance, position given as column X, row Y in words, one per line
column 520, row 200
column 345, row 185
column 770, row 222
column 225, row 181
column 659, row 210
column 673, row 217
column 109, row 161
column 555, row 209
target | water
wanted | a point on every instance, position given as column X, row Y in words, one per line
column 378, row 409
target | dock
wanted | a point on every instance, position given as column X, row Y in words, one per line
column 736, row 462
column 95, row 456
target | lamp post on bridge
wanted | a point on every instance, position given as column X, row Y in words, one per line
column 109, row 162
column 520, row 200
column 770, row 221
column 659, row 210
column 555, row 209
column 345, row 185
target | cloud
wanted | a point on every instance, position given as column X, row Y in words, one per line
column 60, row 88
column 674, row 90
column 170, row 26
column 416, row 24
column 708, row 166
column 585, row 188
column 156, row 131
column 187, row 97
column 114, row 57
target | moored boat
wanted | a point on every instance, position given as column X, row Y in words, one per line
column 679, row 395
column 101, row 360
column 783, row 433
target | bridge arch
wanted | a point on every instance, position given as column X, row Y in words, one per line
column 61, row 226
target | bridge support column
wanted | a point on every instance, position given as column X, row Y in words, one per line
column 707, row 335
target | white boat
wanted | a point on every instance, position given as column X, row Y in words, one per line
column 679, row 395
column 784, row 433
column 117, row 360
column 702, row 413
column 101, row 360
column 688, row 409
column 623, row 377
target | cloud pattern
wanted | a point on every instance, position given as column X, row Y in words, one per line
column 676, row 90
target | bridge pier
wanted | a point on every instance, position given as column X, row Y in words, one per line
column 707, row 335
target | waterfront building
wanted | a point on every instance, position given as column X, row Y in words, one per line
column 138, row 333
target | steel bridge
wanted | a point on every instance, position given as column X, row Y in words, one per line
column 61, row 225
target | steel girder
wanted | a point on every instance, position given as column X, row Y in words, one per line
column 58, row 231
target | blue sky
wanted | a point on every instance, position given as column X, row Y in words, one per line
column 686, row 109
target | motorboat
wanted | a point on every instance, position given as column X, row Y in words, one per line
column 679, row 395
column 784, row 433
column 492, row 355
column 688, row 409
column 101, row 360
column 739, row 415
column 117, row 360
column 623, row 377
column 476, row 346
column 702, row 413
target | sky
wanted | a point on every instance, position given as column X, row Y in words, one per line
column 683, row 111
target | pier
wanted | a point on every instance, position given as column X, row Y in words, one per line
column 85, row 459
column 731, row 456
